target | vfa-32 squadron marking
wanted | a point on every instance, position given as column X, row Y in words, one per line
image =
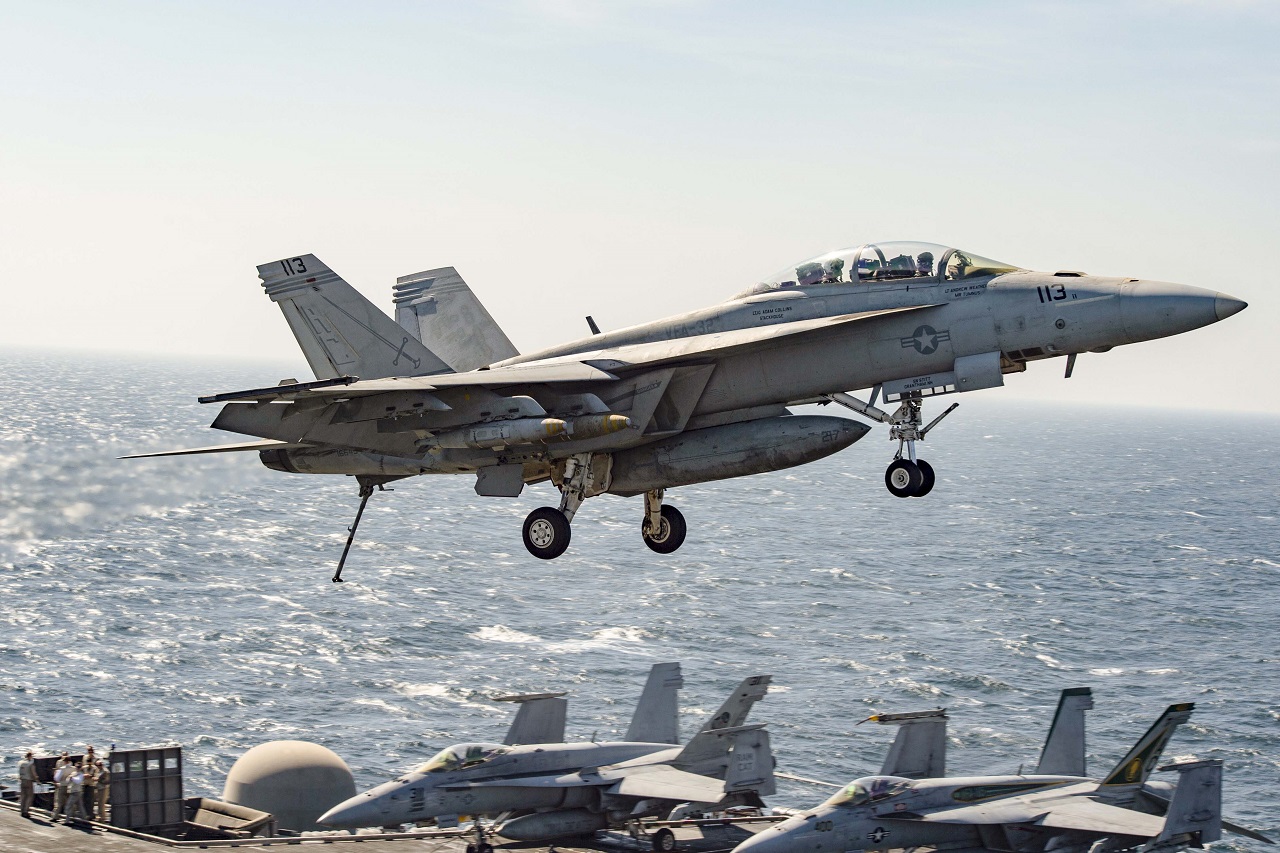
column 687, row 399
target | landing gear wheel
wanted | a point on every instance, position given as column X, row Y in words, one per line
column 668, row 537
column 546, row 534
column 903, row 478
column 664, row 840
column 926, row 484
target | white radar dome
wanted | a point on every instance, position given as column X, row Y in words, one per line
column 295, row 780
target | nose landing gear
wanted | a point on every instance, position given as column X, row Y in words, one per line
column 910, row 477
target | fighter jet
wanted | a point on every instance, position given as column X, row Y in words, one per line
column 688, row 399
column 550, row 790
column 1021, row 813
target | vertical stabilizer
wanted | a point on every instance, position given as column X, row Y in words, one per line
column 1135, row 767
column 439, row 309
column 541, row 718
column 1195, row 812
column 735, row 709
column 342, row 333
column 919, row 750
column 657, row 715
column 1064, row 748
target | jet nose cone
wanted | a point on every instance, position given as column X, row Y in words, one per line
column 357, row 812
column 1224, row 306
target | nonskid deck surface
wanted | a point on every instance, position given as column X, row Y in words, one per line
column 41, row 836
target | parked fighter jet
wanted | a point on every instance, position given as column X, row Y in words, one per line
column 1021, row 813
column 688, row 399
column 555, row 789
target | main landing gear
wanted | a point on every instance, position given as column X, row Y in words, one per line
column 481, row 844
column 548, row 530
column 910, row 477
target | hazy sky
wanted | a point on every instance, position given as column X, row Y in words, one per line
column 633, row 159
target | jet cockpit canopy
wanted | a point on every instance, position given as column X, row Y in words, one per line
column 869, row 789
column 874, row 262
column 461, row 756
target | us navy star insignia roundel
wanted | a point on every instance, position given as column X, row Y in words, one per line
column 878, row 834
column 926, row 339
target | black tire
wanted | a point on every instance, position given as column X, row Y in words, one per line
column 471, row 848
column 903, row 478
column 546, row 533
column 485, row 848
column 670, row 533
column 664, row 840
column 926, row 484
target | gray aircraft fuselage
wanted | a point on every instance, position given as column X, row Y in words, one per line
column 1024, row 315
column 566, row 769
column 886, row 824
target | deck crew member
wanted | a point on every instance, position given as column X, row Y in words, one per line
column 62, row 771
column 104, row 790
column 27, row 782
column 90, row 784
column 75, row 793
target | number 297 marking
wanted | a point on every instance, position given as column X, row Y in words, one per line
column 1051, row 293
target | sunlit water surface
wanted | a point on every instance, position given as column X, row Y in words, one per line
column 188, row 600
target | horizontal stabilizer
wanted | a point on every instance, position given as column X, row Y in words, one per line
column 269, row 444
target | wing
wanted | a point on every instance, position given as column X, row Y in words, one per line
column 268, row 444
column 666, row 783
column 610, row 399
column 1076, row 813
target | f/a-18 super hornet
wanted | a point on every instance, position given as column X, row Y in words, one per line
column 548, row 790
column 688, row 399
column 1050, row 810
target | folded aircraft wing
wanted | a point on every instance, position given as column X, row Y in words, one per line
column 1075, row 813
column 664, row 782
column 1092, row 816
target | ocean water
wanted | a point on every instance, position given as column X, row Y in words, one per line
column 188, row 600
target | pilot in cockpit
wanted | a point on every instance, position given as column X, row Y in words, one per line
column 924, row 263
column 833, row 270
column 810, row 273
